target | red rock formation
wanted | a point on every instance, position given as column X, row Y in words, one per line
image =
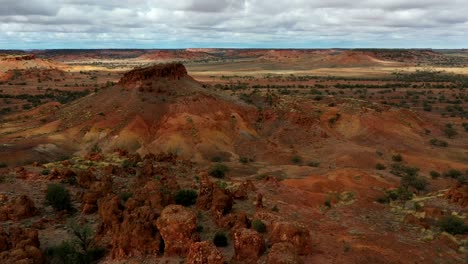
column 177, row 226
column 297, row 235
column 19, row 208
column 205, row 194
column 20, row 246
column 458, row 194
column 283, row 253
column 248, row 244
column 221, row 203
column 85, row 178
column 204, row 253
column 137, row 77
column 243, row 190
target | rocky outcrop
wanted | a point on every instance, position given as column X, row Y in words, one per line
column 221, row 203
column 297, row 235
column 249, row 245
column 283, row 253
column 243, row 190
column 177, row 226
column 18, row 245
column 204, row 253
column 137, row 77
column 18, row 208
column 458, row 194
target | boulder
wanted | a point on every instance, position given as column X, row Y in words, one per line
column 249, row 245
column 283, row 253
column 297, row 235
column 18, row 208
column 177, row 225
column 204, row 253
column 18, row 245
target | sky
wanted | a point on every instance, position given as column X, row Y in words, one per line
column 56, row 24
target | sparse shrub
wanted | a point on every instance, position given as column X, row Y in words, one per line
column 245, row 160
column 58, row 197
column 124, row 196
column 438, row 143
column 434, row 174
column 313, row 164
column 296, row 159
column 457, row 175
column 45, row 172
column 453, row 225
column 414, row 181
column 3, row 165
column 186, row 197
column 449, row 131
column 401, row 170
column 380, row 166
column 397, row 158
column 220, row 239
column 327, row 203
column 275, row 208
column 96, row 149
column 400, row 194
column 80, row 250
column 258, row 226
column 219, row 171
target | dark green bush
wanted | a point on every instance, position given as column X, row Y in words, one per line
column 401, row 170
column 453, row 225
column 45, row 172
column 397, row 158
column 296, row 159
column 58, row 197
column 186, row 197
column 124, row 196
column 219, row 171
column 258, row 226
column 434, row 174
column 449, row 131
column 220, row 239
column 245, row 160
column 438, row 142
column 414, row 181
column 3, row 165
column 400, row 194
column 380, row 166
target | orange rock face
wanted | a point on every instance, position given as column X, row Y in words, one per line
column 204, row 253
column 297, row 235
column 283, row 253
column 248, row 244
column 19, row 245
column 19, row 208
column 458, row 194
column 177, row 226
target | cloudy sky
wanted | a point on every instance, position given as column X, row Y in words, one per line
column 32, row 24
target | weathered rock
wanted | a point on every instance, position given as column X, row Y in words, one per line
column 177, row 226
column 111, row 212
column 297, row 235
column 204, row 253
column 234, row 220
column 19, row 245
column 18, row 208
column 248, row 244
column 85, row 178
column 244, row 189
column 458, row 194
column 283, row 253
column 205, row 194
column 137, row 77
column 259, row 201
column 221, row 203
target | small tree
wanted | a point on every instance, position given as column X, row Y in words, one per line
column 186, row 197
column 58, row 197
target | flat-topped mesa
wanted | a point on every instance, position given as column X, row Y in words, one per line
column 19, row 57
column 141, row 76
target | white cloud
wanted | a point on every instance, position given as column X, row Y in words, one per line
column 185, row 23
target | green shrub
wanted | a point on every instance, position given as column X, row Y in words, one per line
column 314, row 164
column 400, row 194
column 58, row 197
column 186, row 197
column 219, row 171
column 449, row 131
column 245, row 160
column 275, row 208
column 220, row 239
column 434, row 174
column 80, row 250
column 45, row 172
column 296, row 159
column 258, row 226
column 216, row 159
column 380, row 166
column 3, row 165
column 438, row 142
column 453, row 173
column 124, row 196
column 401, row 170
column 453, row 225
column 414, row 181
column 397, row 158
